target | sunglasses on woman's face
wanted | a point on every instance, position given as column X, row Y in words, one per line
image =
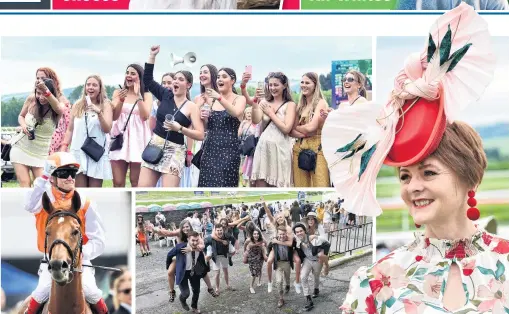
column 65, row 173
column 348, row 79
column 125, row 291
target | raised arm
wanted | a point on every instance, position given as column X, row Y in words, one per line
column 269, row 213
column 55, row 104
column 154, row 87
column 95, row 233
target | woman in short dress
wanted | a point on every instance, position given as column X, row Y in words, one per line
column 132, row 98
column 30, row 151
column 169, row 135
column 246, row 129
column 220, row 160
column 97, row 117
column 272, row 162
column 255, row 254
column 453, row 265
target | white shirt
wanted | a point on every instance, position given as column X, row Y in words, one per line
column 94, row 228
column 196, row 224
column 189, row 259
column 255, row 213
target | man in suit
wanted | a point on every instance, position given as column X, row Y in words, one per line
column 190, row 268
column 218, row 251
column 283, row 263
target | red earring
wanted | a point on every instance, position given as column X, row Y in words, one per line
column 472, row 213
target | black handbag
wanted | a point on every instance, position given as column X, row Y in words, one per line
column 118, row 141
column 6, row 152
column 153, row 154
column 307, row 159
column 91, row 147
column 248, row 146
column 196, row 161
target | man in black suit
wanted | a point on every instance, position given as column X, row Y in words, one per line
column 191, row 268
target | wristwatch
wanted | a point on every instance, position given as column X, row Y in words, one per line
column 180, row 130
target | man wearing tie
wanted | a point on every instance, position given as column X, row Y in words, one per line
column 191, row 267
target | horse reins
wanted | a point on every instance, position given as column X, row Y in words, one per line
column 77, row 250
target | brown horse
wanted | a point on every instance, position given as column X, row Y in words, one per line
column 63, row 247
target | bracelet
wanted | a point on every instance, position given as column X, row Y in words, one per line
column 189, row 153
column 220, row 98
column 47, row 93
column 65, row 144
column 243, row 86
column 255, row 100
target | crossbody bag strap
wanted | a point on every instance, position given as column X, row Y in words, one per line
column 129, row 116
column 35, row 126
column 168, row 132
column 276, row 113
column 86, row 127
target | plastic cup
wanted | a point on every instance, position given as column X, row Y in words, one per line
column 169, row 117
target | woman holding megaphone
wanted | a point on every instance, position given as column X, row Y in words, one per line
column 177, row 116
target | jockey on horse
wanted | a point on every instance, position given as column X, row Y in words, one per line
column 58, row 181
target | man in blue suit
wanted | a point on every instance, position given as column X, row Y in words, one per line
column 190, row 268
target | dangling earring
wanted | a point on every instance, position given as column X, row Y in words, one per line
column 472, row 213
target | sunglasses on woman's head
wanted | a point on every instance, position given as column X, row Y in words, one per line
column 348, row 79
column 65, row 173
column 125, row 291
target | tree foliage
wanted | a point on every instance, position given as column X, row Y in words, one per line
column 12, row 107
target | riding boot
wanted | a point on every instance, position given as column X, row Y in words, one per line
column 33, row 307
column 100, row 307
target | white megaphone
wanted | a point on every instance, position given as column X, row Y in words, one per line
column 189, row 59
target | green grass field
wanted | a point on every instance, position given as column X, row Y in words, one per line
column 392, row 220
column 223, row 200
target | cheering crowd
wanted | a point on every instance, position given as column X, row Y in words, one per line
column 284, row 236
column 158, row 135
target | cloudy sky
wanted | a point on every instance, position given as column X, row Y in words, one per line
column 493, row 105
column 74, row 58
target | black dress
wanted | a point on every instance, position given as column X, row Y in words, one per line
column 220, row 162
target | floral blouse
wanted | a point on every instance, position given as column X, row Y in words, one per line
column 412, row 278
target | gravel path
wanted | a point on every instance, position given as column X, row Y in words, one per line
column 152, row 289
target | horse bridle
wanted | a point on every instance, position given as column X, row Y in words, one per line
column 77, row 250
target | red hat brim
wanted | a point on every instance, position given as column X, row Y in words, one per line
column 423, row 128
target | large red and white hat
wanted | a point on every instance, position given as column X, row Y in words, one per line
column 453, row 70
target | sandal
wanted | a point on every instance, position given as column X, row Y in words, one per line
column 280, row 303
column 195, row 310
column 213, row 293
column 172, row 296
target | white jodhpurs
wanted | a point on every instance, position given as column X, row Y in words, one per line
column 92, row 293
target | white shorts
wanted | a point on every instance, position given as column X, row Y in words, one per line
column 221, row 262
column 92, row 293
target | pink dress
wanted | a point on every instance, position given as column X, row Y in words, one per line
column 136, row 136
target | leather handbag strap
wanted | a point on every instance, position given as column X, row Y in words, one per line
column 86, row 127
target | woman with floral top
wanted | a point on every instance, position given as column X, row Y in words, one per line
column 453, row 265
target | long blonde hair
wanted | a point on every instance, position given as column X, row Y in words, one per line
column 361, row 80
column 79, row 107
column 302, row 113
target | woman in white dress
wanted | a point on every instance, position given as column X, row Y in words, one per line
column 92, row 112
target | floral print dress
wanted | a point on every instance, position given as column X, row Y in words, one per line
column 412, row 279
